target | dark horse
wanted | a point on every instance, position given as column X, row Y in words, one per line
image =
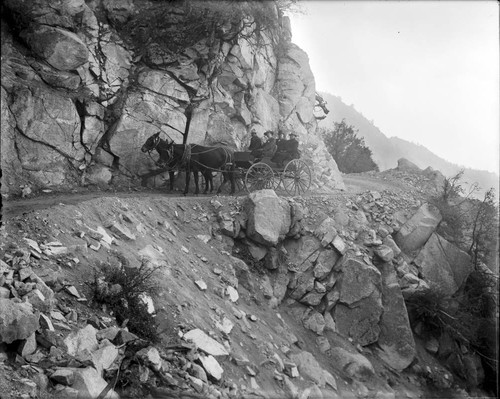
column 193, row 158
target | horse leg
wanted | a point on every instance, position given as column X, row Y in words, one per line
column 207, row 175
column 211, row 176
column 224, row 181
column 227, row 176
column 232, row 178
column 188, row 178
column 195, row 175
column 171, row 175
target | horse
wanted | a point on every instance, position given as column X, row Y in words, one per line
column 194, row 158
column 162, row 147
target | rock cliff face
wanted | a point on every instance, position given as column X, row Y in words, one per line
column 84, row 86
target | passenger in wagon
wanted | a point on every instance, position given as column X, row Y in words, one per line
column 280, row 141
column 287, row 150
column 268, row 148
column 255, row 141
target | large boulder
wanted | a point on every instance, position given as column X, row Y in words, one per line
column 205, row 343
column 314, row 321
column 355, row 365
column 325, row 263
column 17, row 320
column 326, row 231
column 417, row 230
column 62, row 49
column 268, row 217
column 442, row 265
column 302, row 253
column 358, row 280
column 310, row 368
column 82, row 343
column 361, row 323
column 435, row 176
column 407, row 166
column 357, row 314
column 396, row 339
column 90, row 384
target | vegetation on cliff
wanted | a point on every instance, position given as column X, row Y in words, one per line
column 348, row 150
column 470, row 316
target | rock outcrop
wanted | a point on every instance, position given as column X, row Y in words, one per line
column 417, row 230
column 359, row 307
column 328, row 272
column 83, row 87
column 268, row 217
column 395, row 339
column 17, row 321
column 444, row 266
column 408, row 166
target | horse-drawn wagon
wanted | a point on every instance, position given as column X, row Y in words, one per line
column 234, row 166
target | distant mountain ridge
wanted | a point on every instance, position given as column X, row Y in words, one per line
column 386, row 151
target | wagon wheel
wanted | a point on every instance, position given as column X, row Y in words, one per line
column 296, row 177
column 258, row 177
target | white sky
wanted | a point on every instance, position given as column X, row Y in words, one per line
column 424, row 71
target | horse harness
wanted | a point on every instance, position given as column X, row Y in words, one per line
column 186, row 156
column 169, row 151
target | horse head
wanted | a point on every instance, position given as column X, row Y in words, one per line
column 151, row 143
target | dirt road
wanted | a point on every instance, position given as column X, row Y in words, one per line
column 355, row 184
column 19, row 206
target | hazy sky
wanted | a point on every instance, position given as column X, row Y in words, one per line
column 424, row 71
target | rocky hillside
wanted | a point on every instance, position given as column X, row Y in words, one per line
column 388, row 150
column 84, row 84
column 258, row 296
column 136, row 293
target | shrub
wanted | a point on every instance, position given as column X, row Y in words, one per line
column 206, row 20
column 469, row 223
column 349, row 151
column 469, row 318
column 120, row 288
column 484, row 231
column 449, row 203
column 472, row 225
column 439, row 314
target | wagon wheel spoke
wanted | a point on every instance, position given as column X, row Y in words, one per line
column 274, row 182
column 302, row 186
column 296, row 177
column 290, row 187
column 259, row 176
